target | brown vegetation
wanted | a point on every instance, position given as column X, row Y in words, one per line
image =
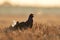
column 46, row 28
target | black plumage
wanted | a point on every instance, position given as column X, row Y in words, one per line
column 25, row 25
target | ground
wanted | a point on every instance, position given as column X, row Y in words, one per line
column 45, row 28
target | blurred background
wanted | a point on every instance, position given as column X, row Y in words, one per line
column 24, row 7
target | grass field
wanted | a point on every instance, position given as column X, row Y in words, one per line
column 44, row 28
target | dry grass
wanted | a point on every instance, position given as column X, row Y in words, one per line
column 45, row 29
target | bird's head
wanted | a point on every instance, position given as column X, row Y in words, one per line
column 31, row 15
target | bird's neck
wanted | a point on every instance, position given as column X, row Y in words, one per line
column 30, row 20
